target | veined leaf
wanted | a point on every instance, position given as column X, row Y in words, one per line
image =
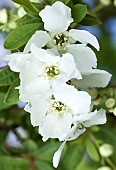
column 28, row 5
column 3, row 105
column 12, row 95
column 7, row 163
column 50, row 2
column 92, row 150
column 7, row 76
column 43, row 165
column 26, row 19
column 78, row 12
column 20, row 36
column 90, row 20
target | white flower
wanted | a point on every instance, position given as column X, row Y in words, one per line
column 39, row 65
column 80, row 122
column 59, row 110
column 57, row 19
column 58, row 40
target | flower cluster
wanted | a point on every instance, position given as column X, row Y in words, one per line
column 52, row 66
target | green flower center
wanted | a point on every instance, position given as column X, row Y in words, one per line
column 52, row 71
column 80, row 126
column 60, row 39
column 59, row 106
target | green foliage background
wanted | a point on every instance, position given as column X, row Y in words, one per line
column 33, row 154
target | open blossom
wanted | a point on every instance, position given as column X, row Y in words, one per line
column 64, row 103
column 57, row 18
column 39, row 65
column 64, row 115
column 80, row 122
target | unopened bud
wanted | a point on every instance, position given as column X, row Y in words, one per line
column 110, row 103
column 106, row 150
column 97, row 101
column 12, row 25
column 105, row 2
column 36, row 1
column 109, row 92
column 3, row 16
column 114, row 2
column 93, row 93
column 17, row 5
column 21, row 12
column 104, row 168
column 114, row 111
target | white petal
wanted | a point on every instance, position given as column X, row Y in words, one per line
column 43, row 56
column 37, row 110
column 54, row 51
column 16, row 61
column 40, row 39
column 56, row 18
column 98, row 119
column 40, row 86
column 78, row 101
column 27, row 76
column 84, row 37
column 57, row 155
column 56, row 126
column 94, row 78
column 68, row 66
column 84, row 57
column 84, row 117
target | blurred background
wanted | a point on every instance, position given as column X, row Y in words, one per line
column 21, row 147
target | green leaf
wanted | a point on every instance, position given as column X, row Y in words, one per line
column 92, row 150
column 7, row 163
column 76, row 1
column 3, row 105
column 28, row 5
column 64, row 1
column 50, row 2
column 12, row 96
column 43, row 165
column 7, row 77
column 29, row 146
column 90, row 20
column 26, row 19
column 20, row 36
column 78, row 12
column 47, row 151
column 73, row 156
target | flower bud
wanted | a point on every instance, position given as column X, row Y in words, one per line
column 36, row 1
column 12, row 25
column 106, row 150
column 114, row 2
column 3, row 16
column 114, row 111
column 110, row 103
column 17, row 5
column 105, row 2
column 93, row 93
column 97, row 101
column 104, row 168
column 21, row 12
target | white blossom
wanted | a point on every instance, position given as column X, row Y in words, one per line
column 41, row 66
column 57, row 19
column 59, row 110
column 80, row 122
